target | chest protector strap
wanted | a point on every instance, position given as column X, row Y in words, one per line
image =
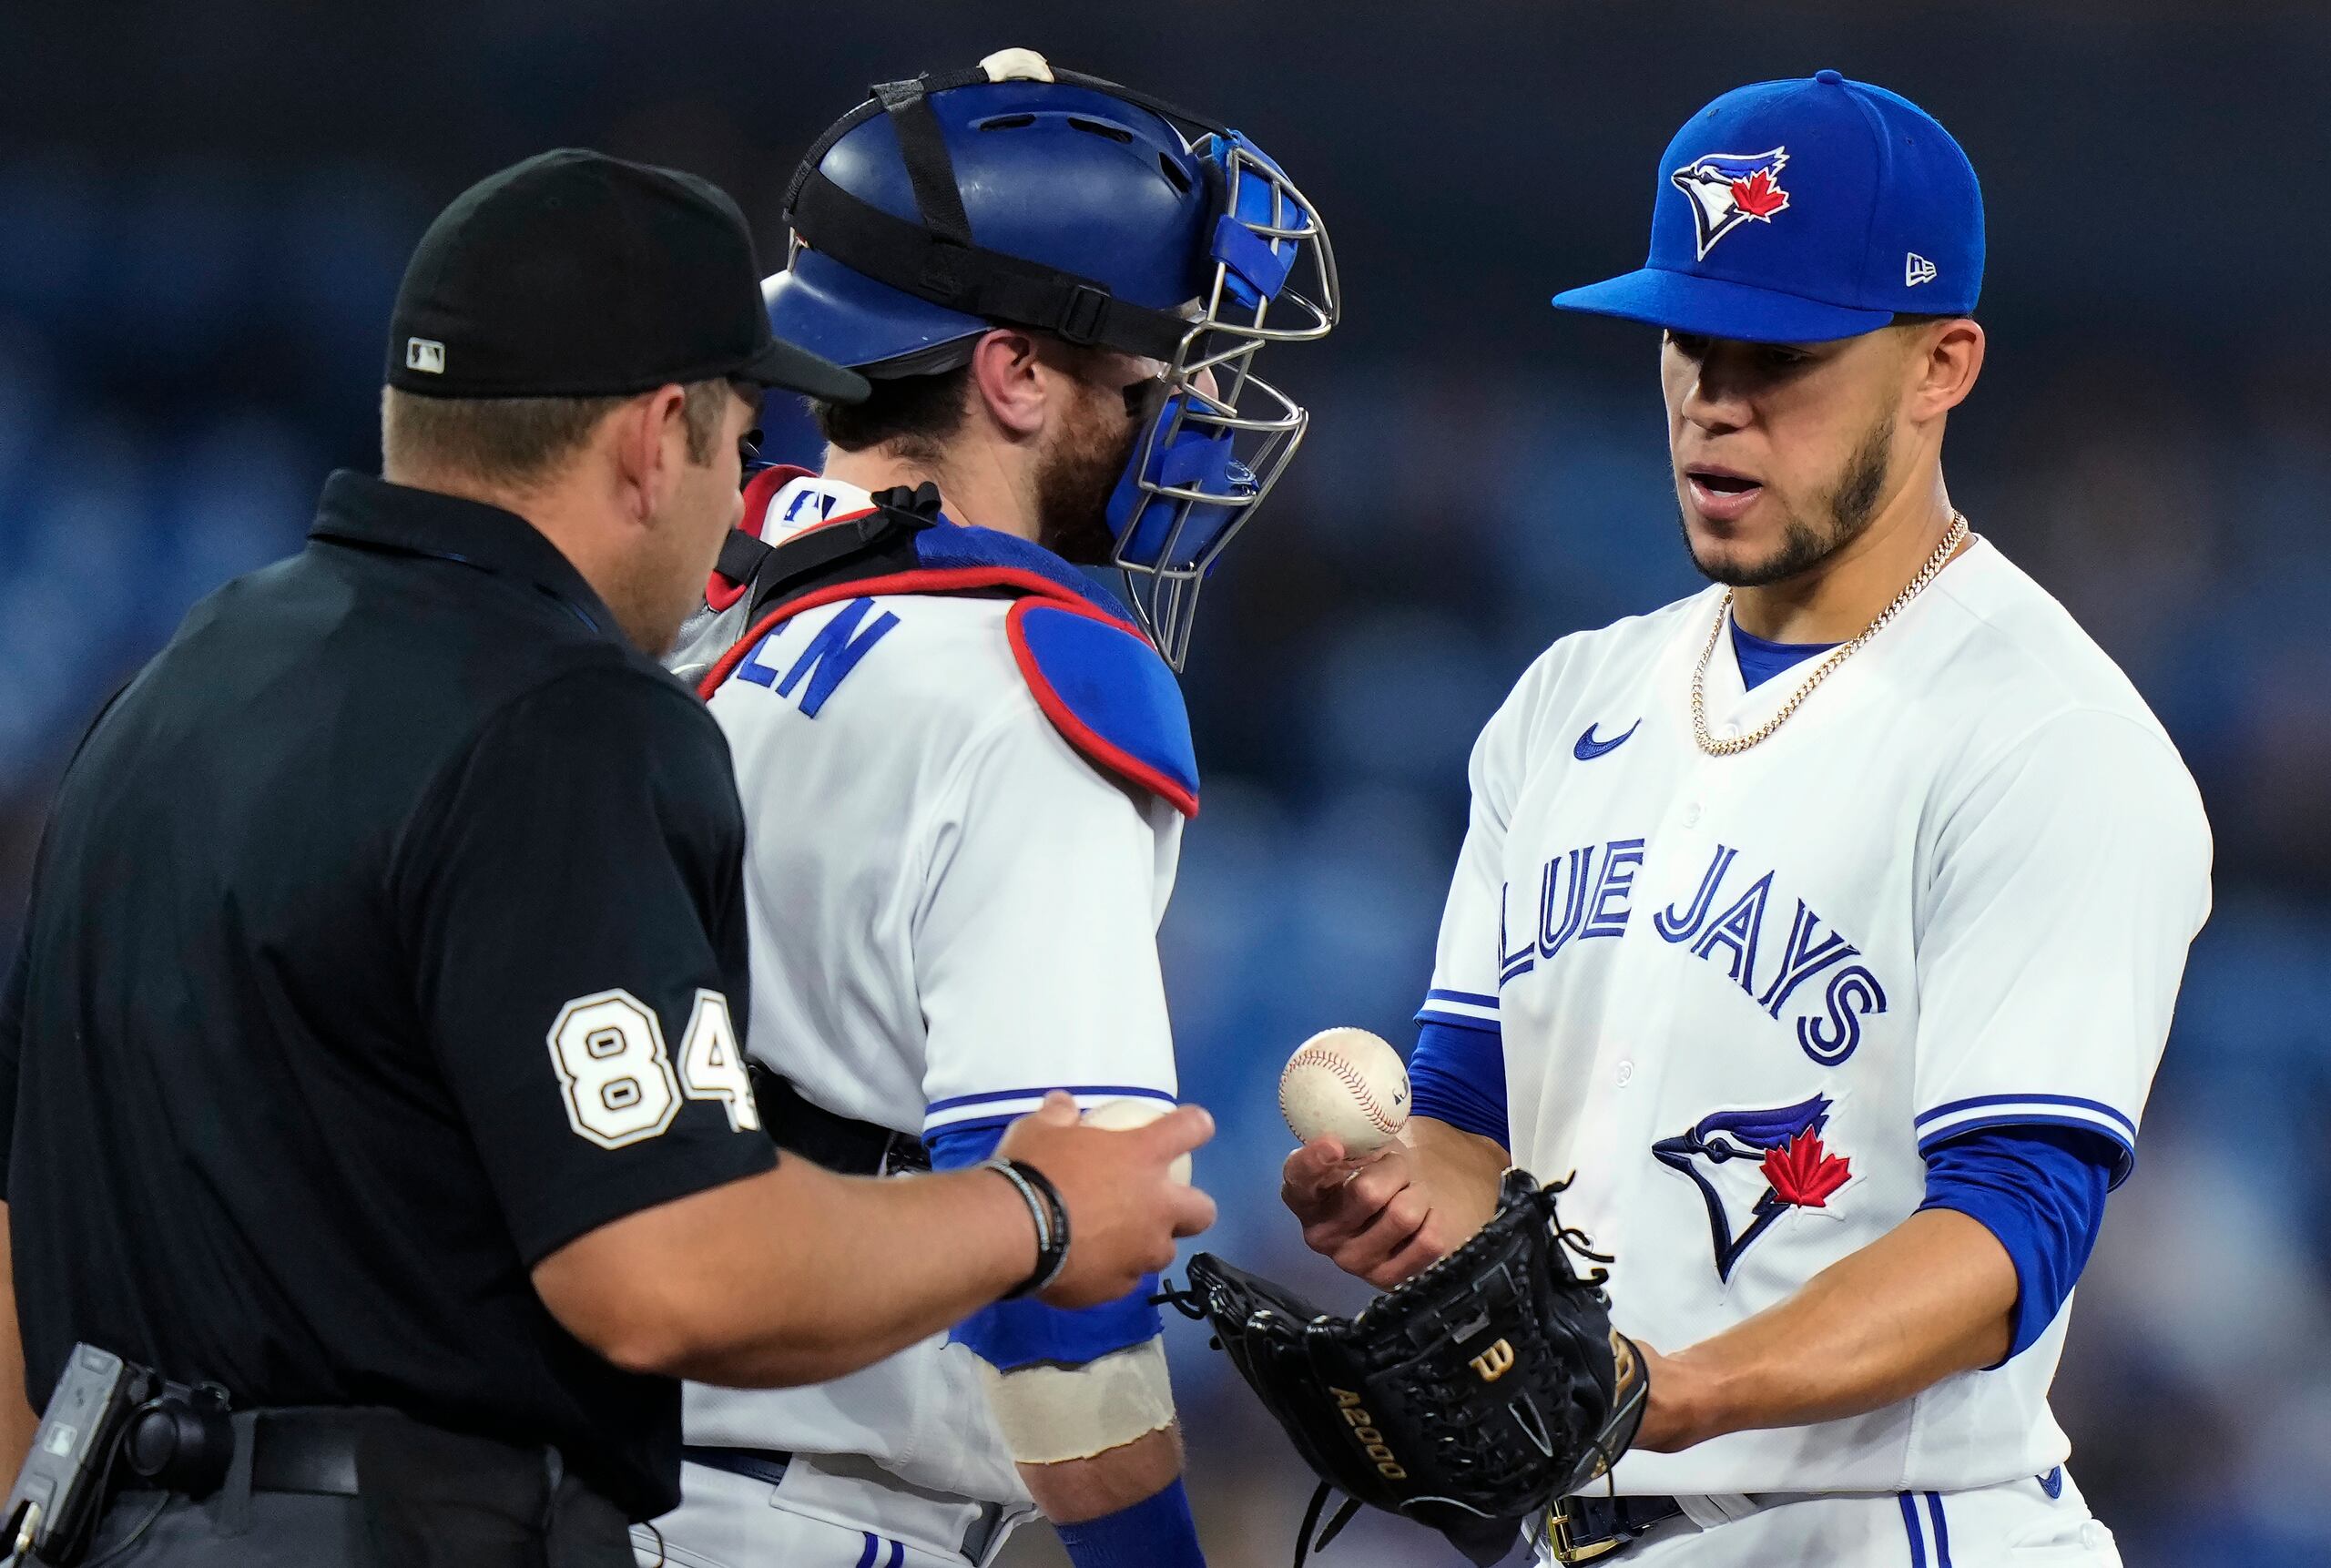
column 1092, row 671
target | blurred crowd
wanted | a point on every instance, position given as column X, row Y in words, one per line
column 191, row 333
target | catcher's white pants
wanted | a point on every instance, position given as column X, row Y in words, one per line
column 2015, row 1524
column 819, row 1516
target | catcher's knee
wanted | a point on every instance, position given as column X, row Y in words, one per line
column 1051, row 1414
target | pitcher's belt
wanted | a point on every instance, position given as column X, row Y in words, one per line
column 1587, row 1528
column 762, row 1464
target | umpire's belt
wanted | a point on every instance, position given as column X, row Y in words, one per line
column 329, row 1452
column 425, row 1495
column 304, row 1451
column 765, row 1465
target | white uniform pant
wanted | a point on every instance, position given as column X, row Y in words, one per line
column 828, row 1512
column 2016, row 1524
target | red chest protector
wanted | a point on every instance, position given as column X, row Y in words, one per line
column 1090, row 669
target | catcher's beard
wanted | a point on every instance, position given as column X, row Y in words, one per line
column 1852, row 505
column 1075, row 479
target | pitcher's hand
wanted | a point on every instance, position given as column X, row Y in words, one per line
column 1369, row 1215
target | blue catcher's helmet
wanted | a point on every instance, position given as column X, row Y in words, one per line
column 1018, row 194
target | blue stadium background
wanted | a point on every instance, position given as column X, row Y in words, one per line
column 204, row 211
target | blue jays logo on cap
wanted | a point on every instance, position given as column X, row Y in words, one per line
column 1858, row 209
column 1729, row 188
column 1729, row 1155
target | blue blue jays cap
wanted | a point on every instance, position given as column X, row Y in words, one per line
column 1804, row 210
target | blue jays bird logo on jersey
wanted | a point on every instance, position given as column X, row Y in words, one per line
column 1778, row 1150
column 1730, row 188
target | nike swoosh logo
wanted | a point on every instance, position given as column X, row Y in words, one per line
column 1588, row 748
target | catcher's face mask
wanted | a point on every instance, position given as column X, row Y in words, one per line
column 1022, row 194
column 1224, row 435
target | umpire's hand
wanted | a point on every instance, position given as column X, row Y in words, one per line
column 1125, row 1208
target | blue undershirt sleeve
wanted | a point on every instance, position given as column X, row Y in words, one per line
column 1156, row 1533
column 1009, row 1334
column 1457, row 1074
column 2041, row 1190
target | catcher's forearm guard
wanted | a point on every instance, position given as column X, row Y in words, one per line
column 1470, row 1397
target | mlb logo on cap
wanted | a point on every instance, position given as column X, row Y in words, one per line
column 1802, row 212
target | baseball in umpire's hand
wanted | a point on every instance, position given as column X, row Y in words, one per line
column 1366, row 1214
column 1125, row 1204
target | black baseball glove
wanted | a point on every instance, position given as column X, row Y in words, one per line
column 1470, row 1397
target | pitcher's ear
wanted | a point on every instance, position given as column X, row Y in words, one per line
column 1951, row 360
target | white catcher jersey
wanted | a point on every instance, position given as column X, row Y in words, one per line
column 1738, row 995
column 950, row 912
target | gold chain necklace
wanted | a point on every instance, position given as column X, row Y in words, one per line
column 1954, row 536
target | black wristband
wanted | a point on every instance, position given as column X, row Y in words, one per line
column 1051, row 1217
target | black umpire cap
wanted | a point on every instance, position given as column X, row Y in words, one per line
column 575, row 274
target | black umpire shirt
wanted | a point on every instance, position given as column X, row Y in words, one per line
column 379, row 946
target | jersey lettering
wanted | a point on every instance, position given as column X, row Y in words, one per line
column 1511, row 964
column 616, row 1077
column 1735, row 932
column 808, row 506
column 1806, row 955
column 1852, row 993
column 712, row 1064
column 832, row 655
column 1830, row 1034
column 1681, row 927
column 1550, row 939
column 1607, row 912
column 1568, row 910
column 608, row 1049
column 1724, row 929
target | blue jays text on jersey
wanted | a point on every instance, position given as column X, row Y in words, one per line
column 1588, row 892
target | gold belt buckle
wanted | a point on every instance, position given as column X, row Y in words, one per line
column 1566, row 1551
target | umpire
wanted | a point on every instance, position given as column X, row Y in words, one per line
column 370, row 1080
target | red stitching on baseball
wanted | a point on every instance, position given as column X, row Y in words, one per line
column 1320, row 1056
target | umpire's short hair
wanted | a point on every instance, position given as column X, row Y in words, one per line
column 517, row 440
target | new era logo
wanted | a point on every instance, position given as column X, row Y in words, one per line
column 1917, row 270
column 424, row 355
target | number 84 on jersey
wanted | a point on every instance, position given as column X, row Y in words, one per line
column 618, row 1080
